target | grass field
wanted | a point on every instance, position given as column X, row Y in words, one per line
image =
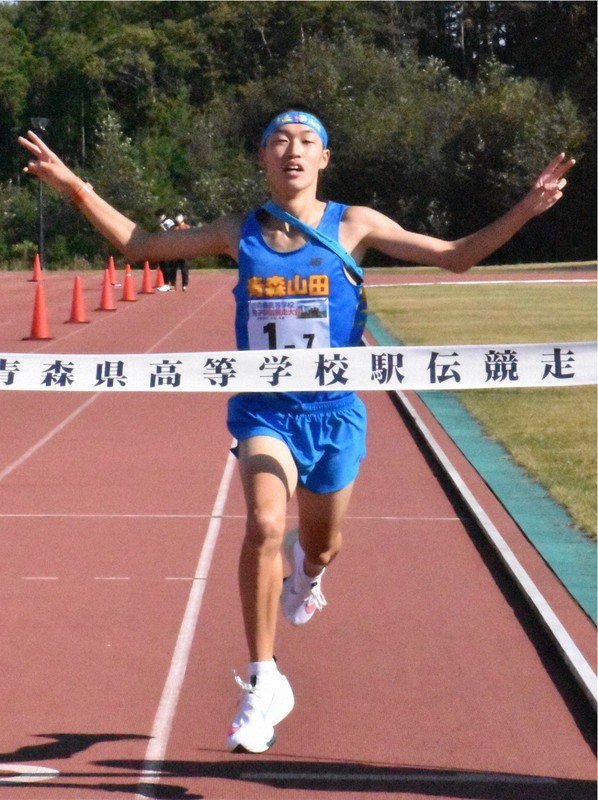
column 550, row 432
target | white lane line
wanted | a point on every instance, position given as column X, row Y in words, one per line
column 106, row 578
column 103, row 578
column 114, row 516
column 405, row 519
column 25, row 773
column 578, row 665
column 478, row 282
column 50, row 435
column 45, row 439
column 156, row 749
column 381, row 517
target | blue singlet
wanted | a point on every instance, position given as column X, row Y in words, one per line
column 303, row 298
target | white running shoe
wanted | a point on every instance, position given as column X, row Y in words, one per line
column 301, row 595
column 264, row 704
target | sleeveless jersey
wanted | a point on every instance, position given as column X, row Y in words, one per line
column 299, row 299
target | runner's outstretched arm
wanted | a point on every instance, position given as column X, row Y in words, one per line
column 216, row 238
column 383, row 234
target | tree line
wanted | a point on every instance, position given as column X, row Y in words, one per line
column 440, row 114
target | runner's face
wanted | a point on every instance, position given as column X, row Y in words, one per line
column 292, row 157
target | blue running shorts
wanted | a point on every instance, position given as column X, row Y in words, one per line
column 326, row 439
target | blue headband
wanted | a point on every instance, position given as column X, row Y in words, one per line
column 291, row 117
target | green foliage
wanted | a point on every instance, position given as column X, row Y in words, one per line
column 18, row 215
column 512, row 128
column 440, row 113
column 21, row 255
column 15, row 68
column 117, row 173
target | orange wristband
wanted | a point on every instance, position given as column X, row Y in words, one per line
column 81, row 194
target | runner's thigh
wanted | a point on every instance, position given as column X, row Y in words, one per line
column 268, row 472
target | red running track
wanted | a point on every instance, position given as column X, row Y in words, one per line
column 121, row 625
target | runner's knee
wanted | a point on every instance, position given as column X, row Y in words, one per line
column 265, row 530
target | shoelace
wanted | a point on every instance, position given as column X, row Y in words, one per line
column 247, row 687
column 316, row 596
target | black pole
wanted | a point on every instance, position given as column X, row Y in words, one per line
column 40, row 125
column 40, row 238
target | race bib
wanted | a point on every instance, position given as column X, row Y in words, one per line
column 277, row 324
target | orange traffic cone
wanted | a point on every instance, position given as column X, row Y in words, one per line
column 146, row 287
column 159, row 278
column 129, row 288
column 78, row 305
column 37, row 269
column 112, row 271
column 107, row 300
column 39, row 324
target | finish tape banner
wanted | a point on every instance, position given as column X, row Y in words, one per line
column 446, row 367
column 349, row 368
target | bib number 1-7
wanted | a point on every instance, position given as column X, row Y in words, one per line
column 280, row 324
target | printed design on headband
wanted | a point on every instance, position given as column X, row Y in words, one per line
column 293, row 116
column 289, row 117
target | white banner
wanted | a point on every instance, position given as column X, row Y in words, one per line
column 351, row 368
